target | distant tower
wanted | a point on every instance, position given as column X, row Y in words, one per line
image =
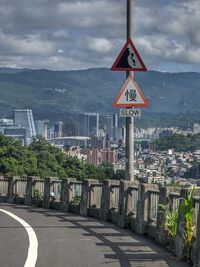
column 70, row 128
column 41, row 127
column 58, row 129
column 111, row 125
column 24, row 118
column 89, row 124
column 120, row 134
column 196, row 128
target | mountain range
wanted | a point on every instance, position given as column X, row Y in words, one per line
column 50, row 93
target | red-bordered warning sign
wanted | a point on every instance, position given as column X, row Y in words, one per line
column 129, row 59
column 130, row 95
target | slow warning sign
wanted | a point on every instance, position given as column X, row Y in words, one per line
column 130, row 95
column 129, row 59
column 130, row 112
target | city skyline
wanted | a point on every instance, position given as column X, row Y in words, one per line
column 166, row 34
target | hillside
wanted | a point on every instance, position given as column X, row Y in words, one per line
column 51, row 93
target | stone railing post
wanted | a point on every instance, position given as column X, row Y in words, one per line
column 66, row 194
column 163, row 200
column 86, row 197
column 125, row 205
column 4, row 197
column 47, row 190
column 29, row 189
column 142, row 210
column 10, row 197
column 106, row 198
column 180, row 248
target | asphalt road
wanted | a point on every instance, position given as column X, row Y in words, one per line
column 68, row 240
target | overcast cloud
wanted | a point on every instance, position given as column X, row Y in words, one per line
column 72, row 34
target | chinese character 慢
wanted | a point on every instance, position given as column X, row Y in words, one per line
column 131, row 95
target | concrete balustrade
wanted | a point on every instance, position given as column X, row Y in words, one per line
column 20, row 185
column 152, row 210
column 161, row 235
column 11, row 195
column 95, row 199
column 55, row 189
column 3, row 189
column 143, row 215
column 66, row 195
column 126, row 203
column 109, row 194
column 87, row 197
column 114, row 203
column 75, row 196
column 29, row 189
column 134, row 194
column 47, row 191
column 179, row 241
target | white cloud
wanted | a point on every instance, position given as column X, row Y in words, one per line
column 78, row 33
column 30, row 45
column 92, row 13
column 60, row 51
column 60, row 34
column 100, row 45
column 166, row 50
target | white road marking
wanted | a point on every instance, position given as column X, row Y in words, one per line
column 33, row 242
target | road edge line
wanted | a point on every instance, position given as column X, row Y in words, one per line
column 33, row 242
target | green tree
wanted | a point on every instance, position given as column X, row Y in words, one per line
column 106, row 171
column 42, row 159
column 15, row 159
column 120, row 175
column 49, row 158
column 179, row 142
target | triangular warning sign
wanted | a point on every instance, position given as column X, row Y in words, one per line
column 129, row 59
column 130, row 95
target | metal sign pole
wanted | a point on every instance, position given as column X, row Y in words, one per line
column 129, row 120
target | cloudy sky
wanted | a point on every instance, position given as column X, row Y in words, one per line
column 79, row 34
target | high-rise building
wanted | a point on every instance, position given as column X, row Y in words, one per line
column 8, row 128
column 165, row 133
column 196, row 128
column 111, row 125
column 41, row 128
column 58, row 129
column 95, row 156
column 6, row 122
column 89, row 124
column 103, row 156
column 112, row 157
column 98, row 142
column 120, row 134
column 16, row 133
column 24, row 118
column 50, row 133
column 70, row 128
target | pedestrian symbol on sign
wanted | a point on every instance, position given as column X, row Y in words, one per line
column 131, row 95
